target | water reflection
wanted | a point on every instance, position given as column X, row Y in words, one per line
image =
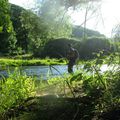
column 47, row 71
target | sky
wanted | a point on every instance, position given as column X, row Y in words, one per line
column 23, row 3
column 108, row 16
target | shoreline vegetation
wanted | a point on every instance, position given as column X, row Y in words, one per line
column 28, row 62
column 92, row 93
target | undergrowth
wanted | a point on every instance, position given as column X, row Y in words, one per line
column 14, row 90
column 97, row 92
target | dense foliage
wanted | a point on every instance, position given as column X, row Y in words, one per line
column 14, row 90
column 56, row 48
column 21, row 32
column 100, row 86
column 34, row 30
column 7, row 34
column 92, row 46
column 87, row 49
column 37, row 30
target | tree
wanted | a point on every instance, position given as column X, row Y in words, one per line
column 87, row 49
column 37, row 30
column 58, row 48
column 77, row 32
column 7, row 34
column 116, row 38
column 91, row 46
column 55, row 17
column 21, row 33
column 75, row 3
column 90, row 8
column 55, row 13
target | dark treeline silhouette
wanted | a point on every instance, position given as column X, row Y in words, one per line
column 87, row 49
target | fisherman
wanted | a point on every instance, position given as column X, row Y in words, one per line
column 72, row 57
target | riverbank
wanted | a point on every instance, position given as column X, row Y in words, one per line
column 75, row 96
column 30, row 62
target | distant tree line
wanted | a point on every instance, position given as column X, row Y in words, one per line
column 45, row 34
column 78, row 31
column 87, row 49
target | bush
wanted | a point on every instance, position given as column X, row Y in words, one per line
column 14, row 90
column 92, row 46
column 101, row 87
column 57, row 48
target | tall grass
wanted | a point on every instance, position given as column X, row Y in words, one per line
column 26, row 62
column 14, row 90
column 101, row 87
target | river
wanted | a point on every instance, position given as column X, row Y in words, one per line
column 46, row 71
column 40, row 71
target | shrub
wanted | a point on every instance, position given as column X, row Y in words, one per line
column 14, row 90
column 87, row 48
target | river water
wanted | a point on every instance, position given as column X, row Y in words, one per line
column 46, row 71
column 40, row 71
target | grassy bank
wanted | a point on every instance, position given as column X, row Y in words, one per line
column 28, row 62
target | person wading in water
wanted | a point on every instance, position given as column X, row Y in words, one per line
column 72, row 56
